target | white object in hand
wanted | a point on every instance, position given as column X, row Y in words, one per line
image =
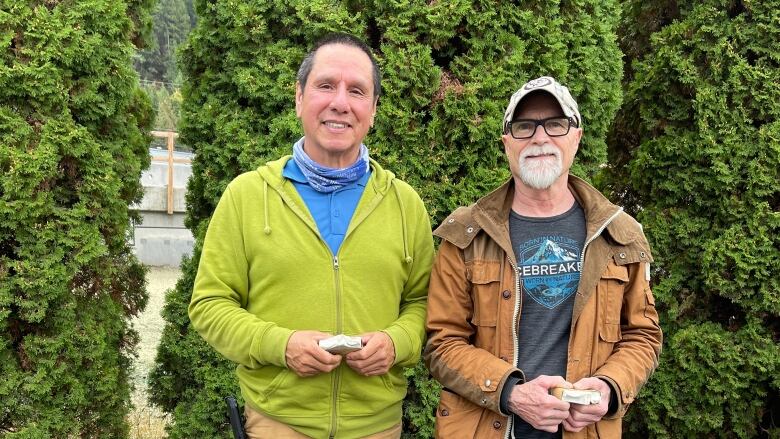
column 341, row 344
column 577, row 396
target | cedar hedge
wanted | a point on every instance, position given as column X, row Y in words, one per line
column 73, row 125
column 696, row 154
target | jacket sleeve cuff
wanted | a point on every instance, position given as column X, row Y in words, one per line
column 509, row 384
column 614, row 398
column 271, row 346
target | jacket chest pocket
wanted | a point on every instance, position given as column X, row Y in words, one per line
column 610, row 301
column 610, row 295
column 485, row 291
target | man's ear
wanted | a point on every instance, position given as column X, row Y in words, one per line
column 504, row 139
column 373, row 111
column 298, row 98
column 579, row 135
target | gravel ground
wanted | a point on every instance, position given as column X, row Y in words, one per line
column 147, row 421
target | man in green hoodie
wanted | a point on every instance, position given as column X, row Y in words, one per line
column 320, row 243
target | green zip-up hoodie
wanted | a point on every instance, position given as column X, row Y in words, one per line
column 265, row 272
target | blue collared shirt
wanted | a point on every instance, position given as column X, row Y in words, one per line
column 333, row 211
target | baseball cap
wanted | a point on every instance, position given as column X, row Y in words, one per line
column 551, row 86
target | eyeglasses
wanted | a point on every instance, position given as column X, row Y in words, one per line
column 553, row 126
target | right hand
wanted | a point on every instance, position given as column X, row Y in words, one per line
column 305, row 357
column 532, row 402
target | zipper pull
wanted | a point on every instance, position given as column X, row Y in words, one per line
column 335, row 262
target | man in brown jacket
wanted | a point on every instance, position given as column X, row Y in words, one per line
column 541, row 284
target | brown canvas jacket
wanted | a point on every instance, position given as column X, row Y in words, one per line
column 474, row 305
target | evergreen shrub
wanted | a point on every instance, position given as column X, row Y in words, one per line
column 449, row 69
column 73, row 130
column 696, row 152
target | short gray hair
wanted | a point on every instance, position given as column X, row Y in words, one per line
column 347, row 40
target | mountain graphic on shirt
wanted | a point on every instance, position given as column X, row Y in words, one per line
column 550, row 252
column 554, row 290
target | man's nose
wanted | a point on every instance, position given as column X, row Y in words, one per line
column 540, row 135
column 340, row 101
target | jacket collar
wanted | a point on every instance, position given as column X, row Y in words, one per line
column 491, row 214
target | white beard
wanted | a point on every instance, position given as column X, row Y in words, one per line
column 540, row 173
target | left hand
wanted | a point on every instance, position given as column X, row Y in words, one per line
column 580, row 416
column 376, row 357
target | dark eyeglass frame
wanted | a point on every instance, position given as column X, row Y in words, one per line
column 571, row 122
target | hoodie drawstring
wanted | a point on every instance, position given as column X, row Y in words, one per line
column 408, row 259
column 267, row 228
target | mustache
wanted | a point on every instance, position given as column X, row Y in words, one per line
column 544, row 149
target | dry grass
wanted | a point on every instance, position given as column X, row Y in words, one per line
column 147, row 422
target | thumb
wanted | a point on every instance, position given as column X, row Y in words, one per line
column 555, row 381
column 367, row 337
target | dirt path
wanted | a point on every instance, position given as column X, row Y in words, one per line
column 148, row 422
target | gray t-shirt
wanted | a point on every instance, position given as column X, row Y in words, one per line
column 548, row 253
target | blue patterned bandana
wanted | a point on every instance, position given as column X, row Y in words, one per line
column 324, row 179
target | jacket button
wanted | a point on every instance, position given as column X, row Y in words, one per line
column 444, row 412
column 497, row 425
column 487, row 383
column 450, row 220
column 506, row 294
column 622, row 255
column 484, row 401
column 470, row 229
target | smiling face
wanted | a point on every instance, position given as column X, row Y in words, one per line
column 337, row 105
column 541, row 161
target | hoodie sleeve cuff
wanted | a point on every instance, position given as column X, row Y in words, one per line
column 401, row 343
column 271, row 346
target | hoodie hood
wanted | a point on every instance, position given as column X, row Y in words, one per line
column 379, row 185
column 381, row 179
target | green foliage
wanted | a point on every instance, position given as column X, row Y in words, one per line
column 449, row 70
column 73, row 127
column 697, row 146
column 167, row 105
column 701, row 388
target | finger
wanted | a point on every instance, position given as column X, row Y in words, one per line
column 587, row 384
column 363, row 364
column 557, row 404
column 560, row 415
column 366, row 338
column 585, row 410
column 569, row 426
column 364, row 353
column 580, row 419
column 553, row 381
column 322, row 356
column 317, row 336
